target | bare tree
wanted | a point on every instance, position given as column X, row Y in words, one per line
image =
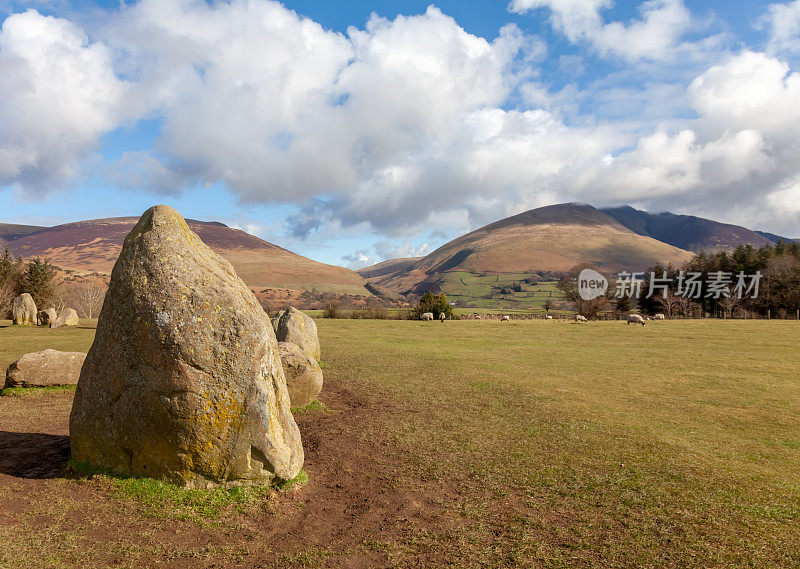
column 669, row 303
column 89, row 299
column 684, row 306
column 8, row 291
column 729, row 303
column 61, row 297
column 568, row 286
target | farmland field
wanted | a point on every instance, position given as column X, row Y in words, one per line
column 486, row 291
column 467, row 444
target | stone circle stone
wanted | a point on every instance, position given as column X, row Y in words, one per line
column 68, row 317
column 296, row 327
column 45, row 368
column 303, row 374
column 47, row 316
column 183, row 381
column 23, row 310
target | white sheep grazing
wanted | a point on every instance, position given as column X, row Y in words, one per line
column 548, row 317
column 426, row 316
column 505, row 318
column 659, row 317
column 580, row 318
column 635, row 319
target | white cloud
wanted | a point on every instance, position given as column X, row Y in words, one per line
column 405, row 248
column 59, row 94
column 402, row 127
column 358, row 259
column 749, row 91
column 654, row 36
column 784, row 23
column 278, row 108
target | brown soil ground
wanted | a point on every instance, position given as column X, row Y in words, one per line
column 357, row 510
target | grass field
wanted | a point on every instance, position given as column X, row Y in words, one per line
column 485, row 291
column 477, row 444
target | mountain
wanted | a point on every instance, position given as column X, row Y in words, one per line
column 552, row 238
column 11, row 231
column 687, row 231
column 388, row 267
column 95, row 245
column 775, row 238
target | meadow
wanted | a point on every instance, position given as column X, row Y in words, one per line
column 485, row 291
column 461, row 444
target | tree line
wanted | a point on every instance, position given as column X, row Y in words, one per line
column 715, row 277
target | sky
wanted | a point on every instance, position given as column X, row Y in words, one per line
column 353, row 132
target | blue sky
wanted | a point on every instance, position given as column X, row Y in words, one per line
column 352, row 132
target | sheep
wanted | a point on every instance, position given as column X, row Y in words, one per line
column 505, row 318
column 442, row 316
column 635, row 319
column 426, row 316
column 659, row 317
column 580, row 318
column 548, row 317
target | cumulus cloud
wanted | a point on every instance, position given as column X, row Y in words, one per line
column 59, row 93
column 737, row 156
column 654, row 36
column 278, row 108
column 405, row 125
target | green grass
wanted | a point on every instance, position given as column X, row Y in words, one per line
column 18, row 340
column 35, row 391
column 163, row 500
column 484, row 292
column 313, row 407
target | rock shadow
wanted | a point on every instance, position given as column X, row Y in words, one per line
column 33, row 455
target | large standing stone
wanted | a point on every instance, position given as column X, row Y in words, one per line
column 68, row 317
column 183, row 381
column 303, row 374
column 23, row 310
column 295, row 327
column 45, row 368
column 47, row 316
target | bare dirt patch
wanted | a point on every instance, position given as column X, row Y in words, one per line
column 355, row 511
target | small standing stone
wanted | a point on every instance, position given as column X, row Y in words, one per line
column 303, row 374
column 296, row 327
column 23, row 310
column 68, row 317
column 47, row 316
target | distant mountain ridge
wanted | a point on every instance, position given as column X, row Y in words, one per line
column 552, row 238
column 556, row 238
column 776, row 238
column 687, row 231
column 94, row 245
